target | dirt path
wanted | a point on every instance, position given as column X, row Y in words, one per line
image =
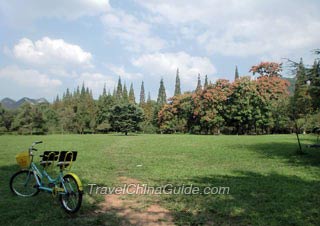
column 134, row 208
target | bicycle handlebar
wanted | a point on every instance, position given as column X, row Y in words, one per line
column 38, row 142
column 33, row 144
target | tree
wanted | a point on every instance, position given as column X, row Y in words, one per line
column 205, row 86
column 199, row 87
column 236, row 74
column 177, row 90
column 104, row 92
column 209, row 107
column 177, row 115
column 142, row 94
column 104, row 104
column 2, row 123
column 302, row 98
column 119, row 90
column 38, row 121
column 125, row 118
column 244, row 110
column 314, row 75
column 162, row 97
column 125, row 96
column 132, row 98
column 274, row 105
column 267, row 69
column 29, row 120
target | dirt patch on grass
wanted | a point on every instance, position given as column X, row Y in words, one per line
column 134, row 208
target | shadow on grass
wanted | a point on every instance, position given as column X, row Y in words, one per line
column 254, row 199
column 288, row 151
column 44, row 209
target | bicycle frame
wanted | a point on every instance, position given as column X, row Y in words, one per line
column 40, row 174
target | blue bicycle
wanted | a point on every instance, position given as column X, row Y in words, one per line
column 29, row 181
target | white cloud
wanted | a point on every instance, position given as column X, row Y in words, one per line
column 28, row 77
column 121, row 71
column 96, row 81
column 133, row 33
column 51, row 52
column 243, row 28
column 166, row 64
column 23, row 12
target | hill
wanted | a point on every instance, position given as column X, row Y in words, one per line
column 12, row 104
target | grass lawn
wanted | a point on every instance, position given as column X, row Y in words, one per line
column 269, row 184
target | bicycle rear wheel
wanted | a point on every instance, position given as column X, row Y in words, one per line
column 23, row 183
column 71, row 201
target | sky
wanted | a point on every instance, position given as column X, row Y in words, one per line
column 48, row 46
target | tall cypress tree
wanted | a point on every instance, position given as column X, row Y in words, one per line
column 132, row 98
column 236, row 74
column 177, row 89
column 104, row 93
column 125, row 93
column 142, row 94
column 149, row 97
column 314, row 75
column 119, row 90
column 83, row 90
column 206, row 82
column 302, row 97
column 199, row 87
column 162, row 96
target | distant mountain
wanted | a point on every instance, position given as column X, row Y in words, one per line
column 11, row 104
column 8, row 103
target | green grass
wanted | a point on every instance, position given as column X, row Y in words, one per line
column 269, row 183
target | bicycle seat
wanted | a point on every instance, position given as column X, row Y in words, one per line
column 48, row 157
column 66, row 158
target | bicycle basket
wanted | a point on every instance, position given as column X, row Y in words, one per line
column 23, row 159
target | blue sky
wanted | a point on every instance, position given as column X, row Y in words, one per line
column 48, row 46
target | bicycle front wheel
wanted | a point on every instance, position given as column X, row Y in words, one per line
column 23, row 183
column 71, row 201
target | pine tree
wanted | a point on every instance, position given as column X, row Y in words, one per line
column 142, row 95
column 83, row 90
column 149, row 97
column 199, row 87
column 132, row 98
column 119, row 90
column 314, row 75
column 206, row 82
column 302, row 97
column 78, row 91
column 114, row 93
column 162, row 97
column 125, row 93
column 104, row 93
column 236, row 74
column 177, row 90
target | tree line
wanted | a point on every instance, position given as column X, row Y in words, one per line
column 258, row 105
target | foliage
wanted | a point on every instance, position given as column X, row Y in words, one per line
column 125, row 118
column 177, row 89
column 245, row 106
column 162, row 96
column 142, row 94
column 271, row 69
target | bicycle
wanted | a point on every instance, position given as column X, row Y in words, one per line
column 29, row 180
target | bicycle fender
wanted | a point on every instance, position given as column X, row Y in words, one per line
column 77, row 180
